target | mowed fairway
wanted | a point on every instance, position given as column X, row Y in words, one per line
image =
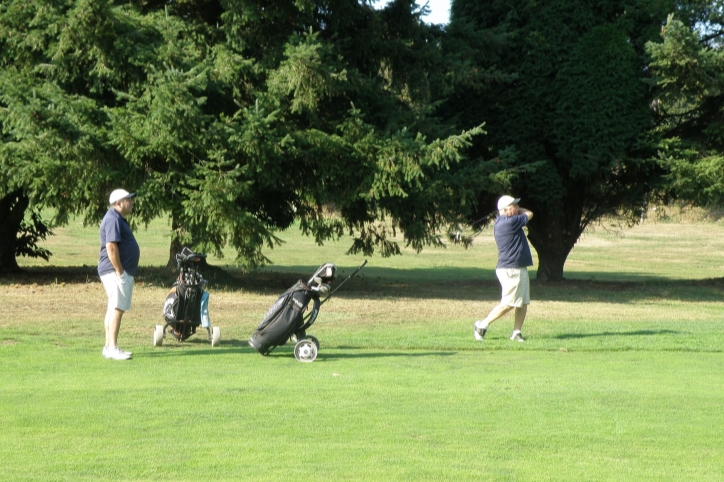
column 620, row 378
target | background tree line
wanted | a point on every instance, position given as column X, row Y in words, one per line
column 239, row 118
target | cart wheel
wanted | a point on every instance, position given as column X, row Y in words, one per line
column 215, row 336
column 305, row 351
column 314, row 340
column 158, row 334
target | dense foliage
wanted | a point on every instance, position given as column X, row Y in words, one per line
column 238, row 118
column 561, row 87
column 688, row 70
column 233, row 118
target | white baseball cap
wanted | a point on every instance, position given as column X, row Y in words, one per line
column 118, row 195
column 506, row 201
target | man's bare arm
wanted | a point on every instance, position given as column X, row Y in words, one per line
column 526, row 212
column 114, row 255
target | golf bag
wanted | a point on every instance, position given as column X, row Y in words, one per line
column 187, row 305
column 285, row 320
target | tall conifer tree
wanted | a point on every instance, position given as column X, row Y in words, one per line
column 560, row 85
column 233, row 118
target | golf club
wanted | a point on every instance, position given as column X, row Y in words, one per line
column 343, row 282
column 467, row 241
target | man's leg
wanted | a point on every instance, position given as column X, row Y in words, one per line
column 112, row 320
column 523, row 291
column 496, row 313
column 480, row 327
column 520, row 317
column 113, row 326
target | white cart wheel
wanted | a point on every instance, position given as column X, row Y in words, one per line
column 158, row 335
column 305, row 351
column 215, row 336
column 314, row 340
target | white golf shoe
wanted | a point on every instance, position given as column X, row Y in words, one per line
column 116, row 353
column 478, row 332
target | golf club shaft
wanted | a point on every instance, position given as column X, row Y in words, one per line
column 472, row 225
column 343, row 282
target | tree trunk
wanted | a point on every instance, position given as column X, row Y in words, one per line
column 12, row 212
column 553, row 232
column 177, row 233
column 551, row 259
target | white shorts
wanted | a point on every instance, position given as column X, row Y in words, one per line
column 516, row 286
column 119, row 290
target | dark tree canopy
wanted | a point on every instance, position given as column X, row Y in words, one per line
column 560, row 85
column 235, row 119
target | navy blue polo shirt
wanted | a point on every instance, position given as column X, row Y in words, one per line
column 115, row 229
column 513, row 249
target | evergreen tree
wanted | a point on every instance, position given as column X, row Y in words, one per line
column 233, row 118
column 560, row 87
column 688, row 71
column 51, row 149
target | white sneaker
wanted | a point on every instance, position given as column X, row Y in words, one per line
column 478, row 332
column 115, row 353
column 517, row 336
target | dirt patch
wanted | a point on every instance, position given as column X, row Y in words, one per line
column 52, row 285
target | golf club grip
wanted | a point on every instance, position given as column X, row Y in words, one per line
column 343, row 282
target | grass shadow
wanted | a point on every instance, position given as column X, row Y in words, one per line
column 326, row 356
column 454, row 283
column 573, row 336
column 409, row 354
column 284, row 351
column 236, row 346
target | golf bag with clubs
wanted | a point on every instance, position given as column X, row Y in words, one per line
column 286, row 321
column 187, row 305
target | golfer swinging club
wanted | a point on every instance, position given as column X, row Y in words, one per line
column 512, row 270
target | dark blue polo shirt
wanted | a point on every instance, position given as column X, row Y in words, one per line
column 513, row 249
column 115, row 229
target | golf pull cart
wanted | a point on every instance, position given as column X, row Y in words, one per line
column 286, row 321
column 187, row 305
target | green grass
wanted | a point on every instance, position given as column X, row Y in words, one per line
column 620, row 379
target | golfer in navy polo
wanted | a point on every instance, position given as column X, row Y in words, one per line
column 514, row 257
column 117, row 267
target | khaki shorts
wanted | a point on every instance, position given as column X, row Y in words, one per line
column 119, row 290
column 516, row 286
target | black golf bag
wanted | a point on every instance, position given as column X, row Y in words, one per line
column 187, row 305
column 286, row 318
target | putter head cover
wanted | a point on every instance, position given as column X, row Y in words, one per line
column 323, row 278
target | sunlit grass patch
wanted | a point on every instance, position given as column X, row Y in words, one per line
column 619, row 378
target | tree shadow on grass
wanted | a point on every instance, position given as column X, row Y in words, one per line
column 572, row 336
column 373, row 282
column 382, row 354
